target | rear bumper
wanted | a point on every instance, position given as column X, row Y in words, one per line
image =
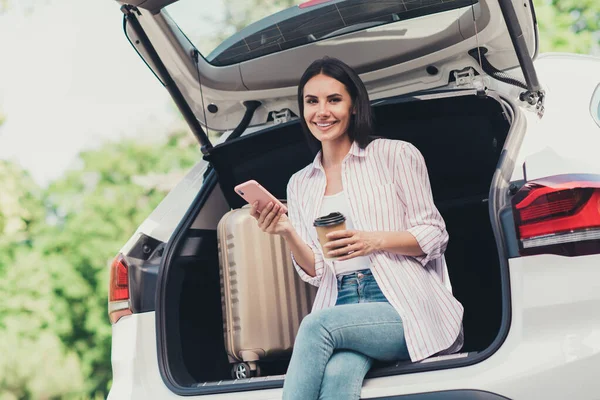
column 552, row 350
column 134, row 360
column 448, row 395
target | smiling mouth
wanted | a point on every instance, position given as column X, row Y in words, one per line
column 324, row 124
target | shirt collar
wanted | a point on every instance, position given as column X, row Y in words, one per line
column 355, row 151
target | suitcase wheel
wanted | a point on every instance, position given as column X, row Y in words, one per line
column 243, row 371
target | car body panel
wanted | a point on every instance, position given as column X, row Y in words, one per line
column 566, row 140
column 595, row 106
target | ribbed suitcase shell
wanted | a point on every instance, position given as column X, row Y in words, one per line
column 263, row 297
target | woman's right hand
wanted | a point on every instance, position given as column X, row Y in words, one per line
column 272, row 219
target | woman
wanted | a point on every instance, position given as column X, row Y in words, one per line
column 388, row 281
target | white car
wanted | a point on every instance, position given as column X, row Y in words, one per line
column 512, row 144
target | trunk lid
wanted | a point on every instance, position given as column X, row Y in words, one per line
column 397, row 47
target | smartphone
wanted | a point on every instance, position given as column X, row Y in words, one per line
column 252, row 191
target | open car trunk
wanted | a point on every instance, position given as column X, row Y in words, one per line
column 461, row 136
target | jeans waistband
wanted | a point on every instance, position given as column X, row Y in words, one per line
column 353, row 274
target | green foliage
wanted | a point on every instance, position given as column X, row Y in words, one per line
column 98, row 207
column 568, row 25
column 54, row 329
column 35, row 363
column 21, row 210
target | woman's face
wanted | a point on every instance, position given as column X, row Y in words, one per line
column 327, row 108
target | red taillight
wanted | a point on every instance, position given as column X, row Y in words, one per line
column 312, row 3
column 118, row 291
column 119, row 281
column 558, row 215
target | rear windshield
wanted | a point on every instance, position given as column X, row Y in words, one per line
column 231, row 31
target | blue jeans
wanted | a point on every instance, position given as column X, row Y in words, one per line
column 335, row 347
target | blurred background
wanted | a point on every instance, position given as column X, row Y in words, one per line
column 90, row 143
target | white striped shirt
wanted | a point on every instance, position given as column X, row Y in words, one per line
column 388, row 189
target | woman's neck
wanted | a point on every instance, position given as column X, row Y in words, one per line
column 334, row 152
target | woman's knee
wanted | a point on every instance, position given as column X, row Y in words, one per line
column 314, row 325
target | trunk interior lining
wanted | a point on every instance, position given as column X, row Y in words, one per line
column 460, row 139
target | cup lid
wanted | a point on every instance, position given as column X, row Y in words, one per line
column 330, row 219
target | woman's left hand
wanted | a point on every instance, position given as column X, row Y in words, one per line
column 350, row 243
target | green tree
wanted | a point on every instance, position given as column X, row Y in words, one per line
column 568, row 25
column 55, row 247
column 96, row 208
column 21, row 210
column 34, row 361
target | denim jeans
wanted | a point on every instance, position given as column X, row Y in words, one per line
column 335, row 347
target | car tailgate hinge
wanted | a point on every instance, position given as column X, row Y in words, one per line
column 467, row 78
column 534, row 99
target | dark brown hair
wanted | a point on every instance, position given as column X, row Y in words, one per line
column 361, row 122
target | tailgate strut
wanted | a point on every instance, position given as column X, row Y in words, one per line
column 534, row 94
column 131, row 18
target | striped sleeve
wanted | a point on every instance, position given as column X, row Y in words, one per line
column 423, row 219
column 299, row 224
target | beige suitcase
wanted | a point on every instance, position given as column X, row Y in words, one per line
column 263, row 297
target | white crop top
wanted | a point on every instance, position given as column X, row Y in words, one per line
column 338, row 203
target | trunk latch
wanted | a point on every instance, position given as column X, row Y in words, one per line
column 467, row 78
column 280, row 117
